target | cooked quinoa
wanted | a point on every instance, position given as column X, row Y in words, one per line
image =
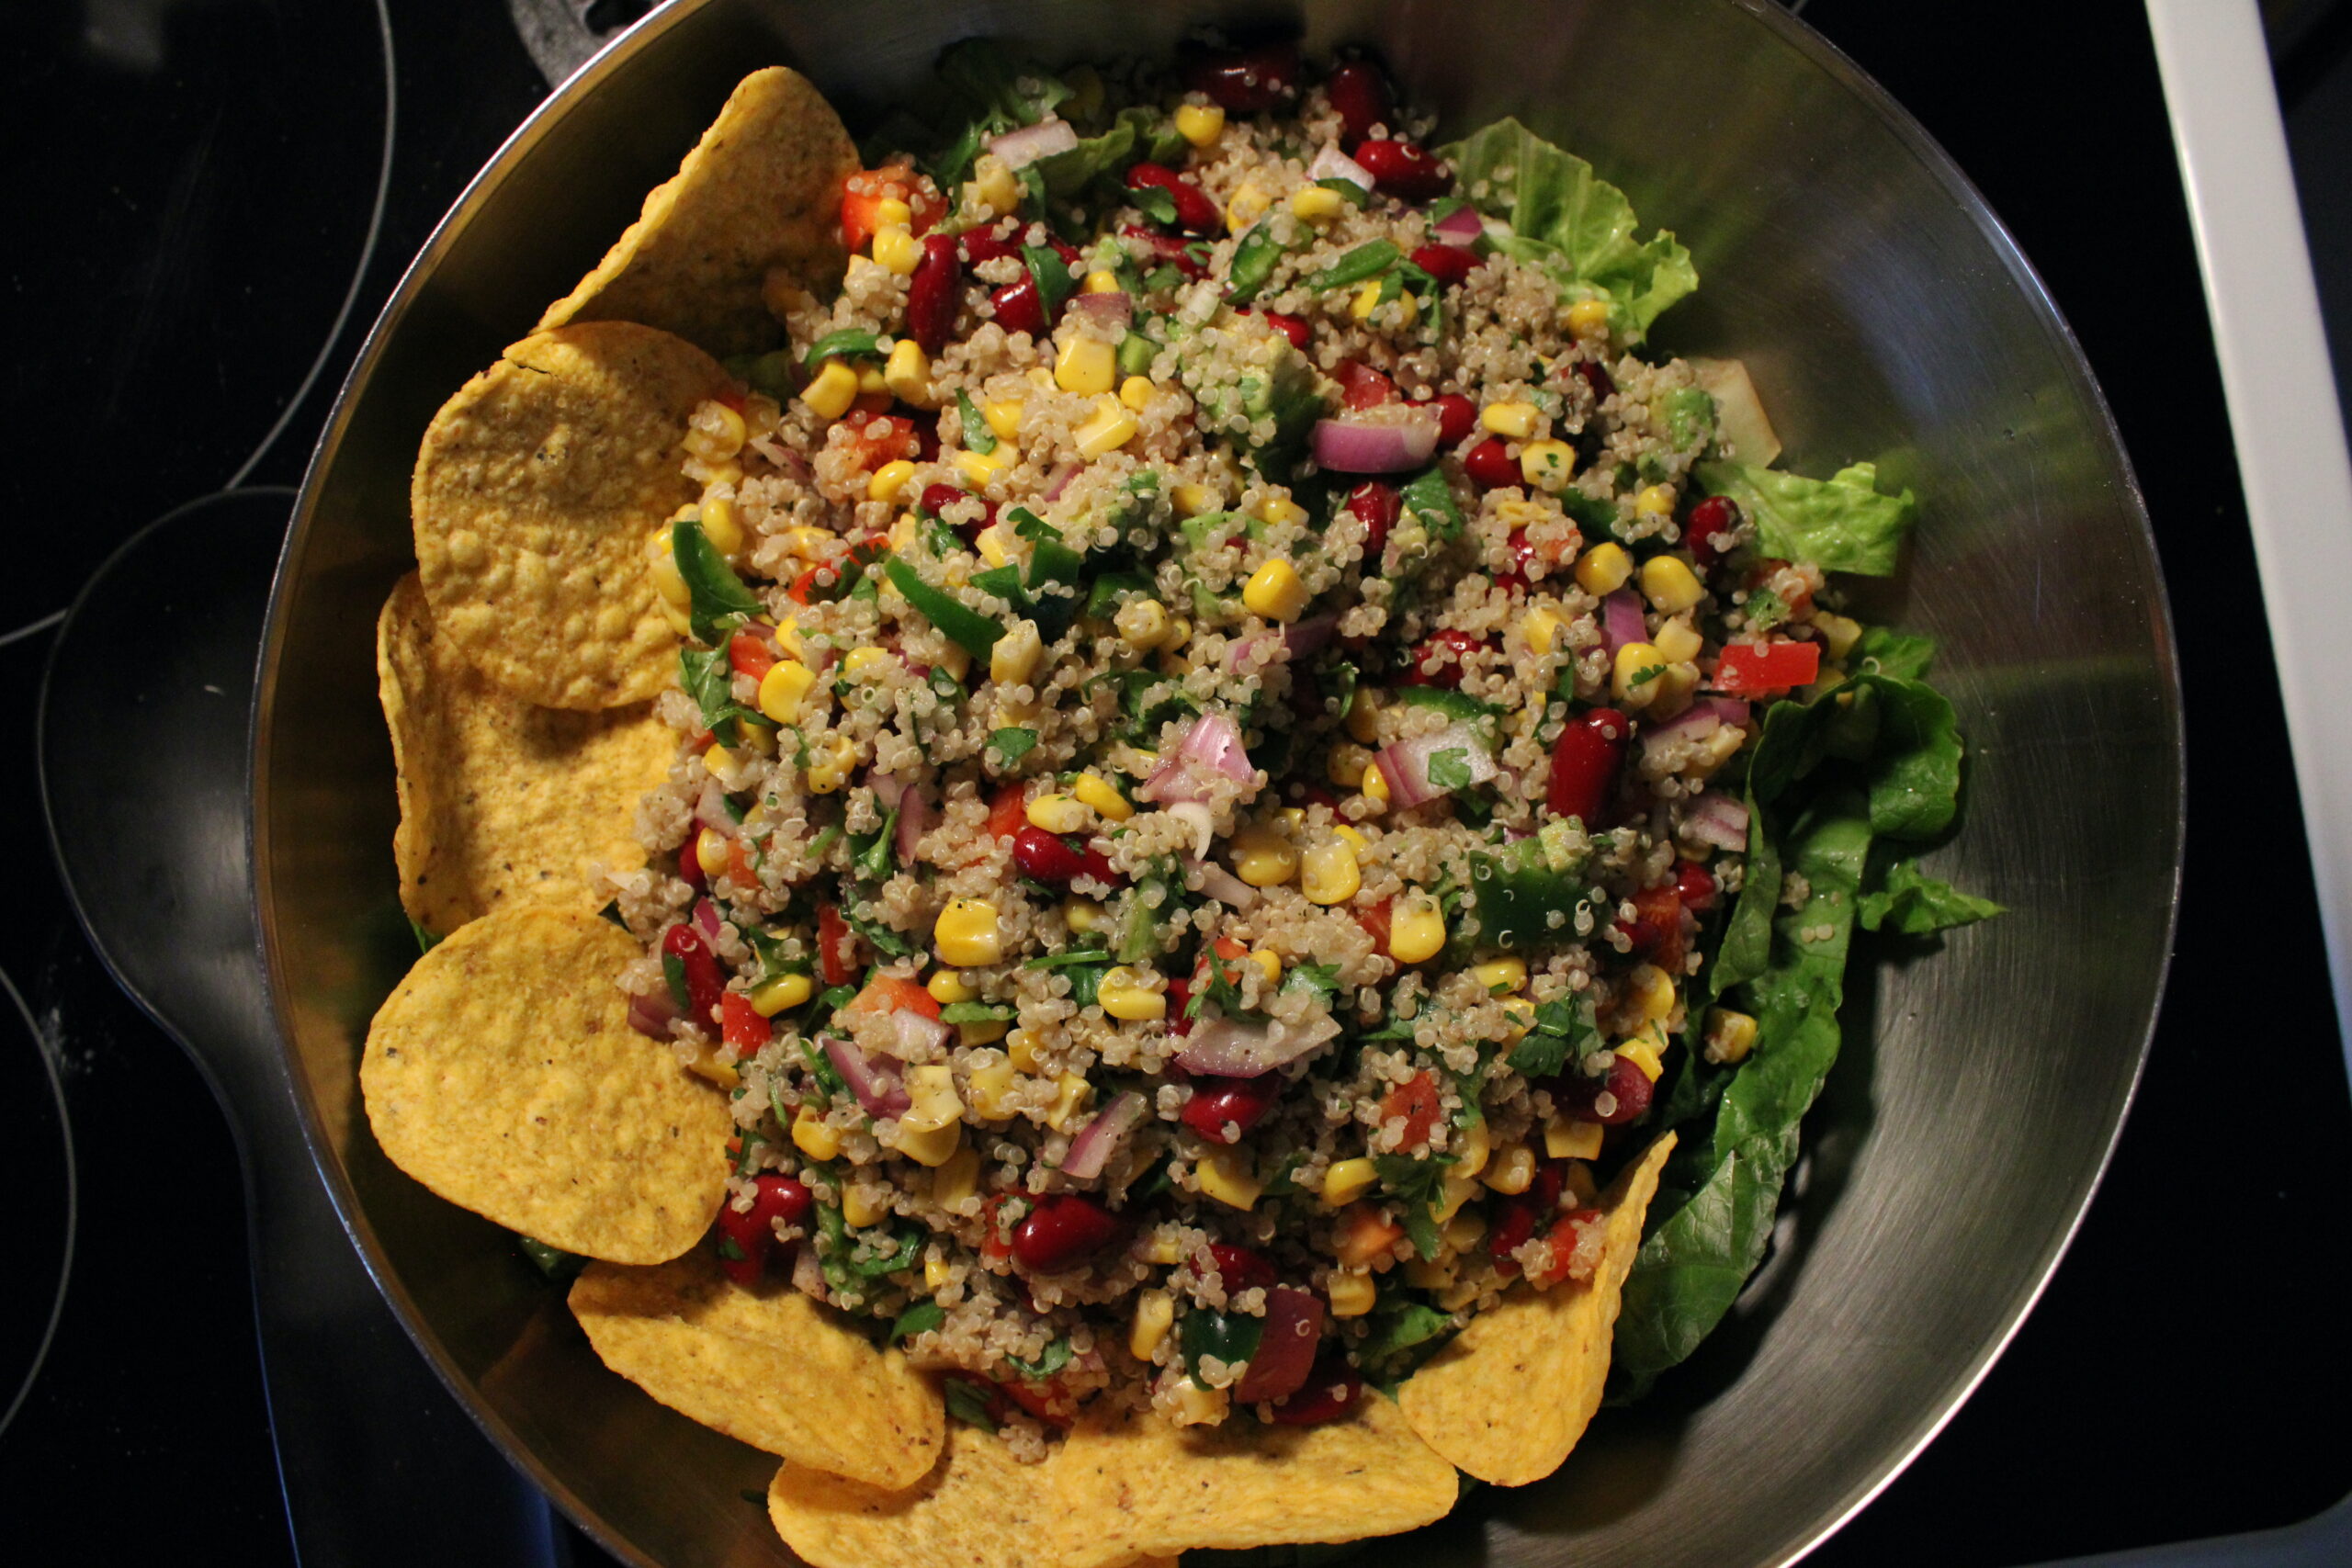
column 1195, row 807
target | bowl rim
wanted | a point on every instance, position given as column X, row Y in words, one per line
column 1787, row 29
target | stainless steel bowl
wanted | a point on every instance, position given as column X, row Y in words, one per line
column 1886, row 314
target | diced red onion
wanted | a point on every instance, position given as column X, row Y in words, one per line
column 877, row 1085
column 889, row 789
column 1405, row 765
column 706, row 919
column 1059, row 480
column 1196, row 816
column 1333, row 165
column 1093, row 1146
column 1212, row 745
column 919, row 1035
column 1701, row 719
column 1232, row 1049
column 1286, row 1345
column 808, row 1272
column 1114, row 306
column 1719, row 820
column 1303, row 640
column 1393, row 446
column 1031, row 142
column 651, row 1014
column 915, row 818
column 1224, row 886
column 710, row 810
column 1622, row 621
column 1460, row 227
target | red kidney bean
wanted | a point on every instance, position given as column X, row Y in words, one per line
column 985, row 244
column 1219, row 1101
column 690, row 869
column 1331, row 1391
column 1359, row 93
column 1245, row 80
column 1627, row 1084
column 1063, row 1231
column 1195, row 213
column 1361, row 387
column 1514, row 1223
column 1018, row 308
column 934, row 292
column 1695, row 886
column 1403, row 169
column 1603, row 386
column 1491, row 465
column 1286, row 1347
column 1242, row 1268
column 1585, row 761
column 751, row 1235
column 1165, row 248
column 1437, row 660
column 1049, row 857
column 1715, row 515
column 1457, row 416
column 705, row 984
column 1377, row 506
column 1447, row 264
column 1656, row 930
column 1551, row 1179
column 1291, row 327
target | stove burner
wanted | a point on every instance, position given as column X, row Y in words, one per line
column 561, row 34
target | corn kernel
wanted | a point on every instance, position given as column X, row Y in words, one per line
column 890, row 213
column 1678, row 641
column 1367, row 300
column 721, row 527
column 1548, row 465
column 1634, row 681
column 1056, row 813
column 1345, row 762
column 1512, row 422
column 860, row 1208
column 710, row 850
column 991, row 1089
column 1351, row 838
column 1136, row 393
column 1263, row 858
column 1284, row 510
column 1463, row 1231
column 1020, row 1046
column 706, row 1065
column 1643, row 1053
column 1423, row 1274
column 1511, row 1170
column 1330, row 873
column 1471, row 1156
column 831, row 390
column 1318, row 204
column 1155, row 1312
column 937, row 1272
column 907, row 373
column 716, row 433
column 1504, row 974
column 667, row 580
column 1730, row 1035
column 1376, row 784
column 1837, row 633
column 1351, row 1292
column 1346, row 1180
column 1191, row 500
column 1200, row 124
column 1589, row 318
column 1086, row 365
column 1163, row 1249
column 1292, row 816
column 991, row 545
column 933, row 1101
column 812, row 1136
column 1604, row 569
column 864, row 661
column 1276, row 592
column 1669, row 585
column 785, row 688
column 1132, row 994
column 1072, row 1096
column 1364, row 717
column 1539, row 631
column 1081, row 915
column 1098, row 793
column 809, row 543
column 948, row 986
column 1566, row 1139
column 1651, row 989
column 934, row 1146
column 1249, row 204
column 1193, row 1405
column 1109, row 428
column 1653, row 501
column 1416, row 929
column 978, row 469
column 897, row 250
column 981, row 1031
column 680, row 622
column 996, row 184
column 831, row 762
column 1227, row 1176
column 965, row 934
column 783, row 992
column 1014, row 657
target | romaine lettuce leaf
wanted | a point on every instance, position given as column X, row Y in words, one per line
column 1842, row 523
column 1910, row 901
column 1572, row 225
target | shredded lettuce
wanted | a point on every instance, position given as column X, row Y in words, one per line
column 1571, row 224
column 1843, row 522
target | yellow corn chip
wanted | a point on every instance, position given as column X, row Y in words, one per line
column 536, row 491
column 977, row 1508
column 1143, row 1485
column 1509, row 1398
column 769, row 1367
column 760, row 190
column 502, row 1074
column 501, row 800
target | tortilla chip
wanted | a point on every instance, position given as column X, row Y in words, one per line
column 772, row 1369
column 503, row 1075
column 501, row 800
column 977, row 1508
column 1509, row 1398
column 534, row 494
column 1144, row 1486
column 760, row 190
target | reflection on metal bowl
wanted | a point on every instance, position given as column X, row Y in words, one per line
column 1888, row 317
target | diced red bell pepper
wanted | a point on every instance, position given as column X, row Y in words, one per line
column 1242, row 1268
column 705, row 984
column 741, row 1025
column 836, row 947
column 1008, row 812
column 1415, row 1099
column 750, row 654
column 1566, row 1233
column 1361, row 387
column 1447, row 264
column 889, row 993
column 867, row 190
column 1776, row 667
column 882, row 438
column 1332, row 1390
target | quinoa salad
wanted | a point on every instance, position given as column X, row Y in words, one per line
column 1245, row 743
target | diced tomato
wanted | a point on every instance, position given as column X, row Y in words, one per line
column 1008, row 812
column 1515, row 1223
column 739, row 864
column 1163, row 249
column 1655, row 928
column 740, row 1023
column 690, row 869
column 1361, row 387
column 1568, row 1231
column 750, row 654
column 994, row 1241
column 1332, row 1390
column 1774, row 667
column 1291, row 327
column 1373, row 918
column 836, row 946
column 733, row 396
column 883, row 438
column 705, row 984
column 1241, row 1268
column 867, row 190
column 889, row 993
column 804, row 587
column 1415, row 1099
column 1438, row 661
column 1378, row 506
column 1048, row 1400
column 1447, row 264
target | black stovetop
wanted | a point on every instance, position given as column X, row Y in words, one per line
column 199, row 248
